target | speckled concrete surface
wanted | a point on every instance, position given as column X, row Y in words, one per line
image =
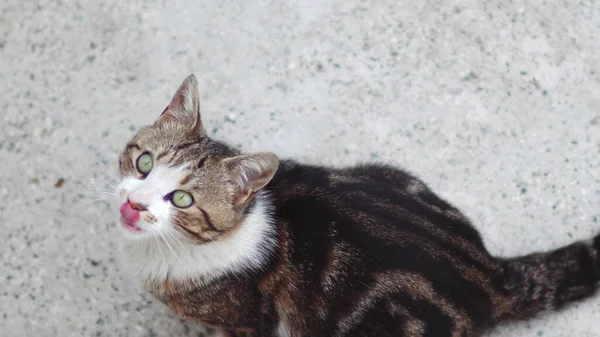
column 495, row 104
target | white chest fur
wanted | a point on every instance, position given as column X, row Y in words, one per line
column 155, row 259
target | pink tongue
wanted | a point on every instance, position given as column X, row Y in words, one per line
column 130, row 215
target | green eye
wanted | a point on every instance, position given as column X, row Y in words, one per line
column 182, row 199
column 144, row 163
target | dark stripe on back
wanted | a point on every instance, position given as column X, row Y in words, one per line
column 357, row 197
column 377, row 321
column 313, row 209
column 381, row 321
column 377, row 190
column 436, row 322
column 399, row 220
column 446, row 280
column 312, row 219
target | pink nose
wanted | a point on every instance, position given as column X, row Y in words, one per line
column 130, row 215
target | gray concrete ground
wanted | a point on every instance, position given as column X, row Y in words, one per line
column 494, row 103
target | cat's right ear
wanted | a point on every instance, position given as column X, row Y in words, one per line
column 185, row 106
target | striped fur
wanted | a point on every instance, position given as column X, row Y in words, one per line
column 362, row 251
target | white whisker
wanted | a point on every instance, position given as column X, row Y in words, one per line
column 168, row 245
column 101, row 198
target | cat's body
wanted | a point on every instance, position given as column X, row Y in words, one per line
column 299, row 250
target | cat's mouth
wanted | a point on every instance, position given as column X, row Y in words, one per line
column 129, row 218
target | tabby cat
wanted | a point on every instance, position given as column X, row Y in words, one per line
column 257, row 246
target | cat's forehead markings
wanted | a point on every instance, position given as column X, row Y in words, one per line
column 178, row 148
column 132, row 146
column 185, row 179
column 161, row 155
column 201, row 162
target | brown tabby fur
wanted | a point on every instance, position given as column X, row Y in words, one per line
column 362, row 251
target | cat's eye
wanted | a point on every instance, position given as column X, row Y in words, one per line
column 144, row 163
column 182, row 199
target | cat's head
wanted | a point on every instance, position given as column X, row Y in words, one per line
column 176, row 181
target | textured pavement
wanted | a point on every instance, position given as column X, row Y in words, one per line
column 495, row 104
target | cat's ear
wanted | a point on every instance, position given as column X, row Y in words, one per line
column 185, row 106
column 250, row 173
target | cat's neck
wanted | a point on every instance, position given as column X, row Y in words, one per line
column 247, row 248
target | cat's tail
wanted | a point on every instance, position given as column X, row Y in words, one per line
column 544, row 281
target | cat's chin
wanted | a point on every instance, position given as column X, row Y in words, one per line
column 131, row 231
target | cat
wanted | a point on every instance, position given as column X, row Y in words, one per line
column 257, row 246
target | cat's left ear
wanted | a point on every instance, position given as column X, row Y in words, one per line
column 185, row 106
column 250, row 173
